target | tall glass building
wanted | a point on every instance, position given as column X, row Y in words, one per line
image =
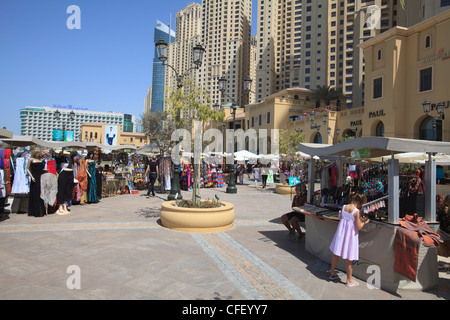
column 163, row 32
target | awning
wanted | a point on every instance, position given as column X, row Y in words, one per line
column 5, row 134
column 378, row 147
column 26, row 141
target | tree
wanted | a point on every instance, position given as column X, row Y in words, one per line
column 327, row 94
column 194, row 101
column 159, row 126
column 290, row 141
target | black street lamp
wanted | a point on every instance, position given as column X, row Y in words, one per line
column 198, row 52
column 231, row 188
column 440, row 107
column 58, row 117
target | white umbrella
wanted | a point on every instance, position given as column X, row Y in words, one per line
column 245, row 155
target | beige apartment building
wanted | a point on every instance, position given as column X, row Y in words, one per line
column 404, row 68
column 226, row 33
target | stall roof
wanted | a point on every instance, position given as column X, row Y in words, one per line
column 5, row 134
column 26, row 141
column 378, row 146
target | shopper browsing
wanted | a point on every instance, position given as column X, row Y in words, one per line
column 345, row 244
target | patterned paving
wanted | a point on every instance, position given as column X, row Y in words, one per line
column 255, row 279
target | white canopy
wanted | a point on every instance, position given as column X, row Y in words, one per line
column 245, row 155
column 378, row 146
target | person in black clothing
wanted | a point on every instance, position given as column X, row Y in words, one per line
column 152, row 172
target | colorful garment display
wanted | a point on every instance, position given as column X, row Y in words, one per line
column 81, row 176
column 220, row 183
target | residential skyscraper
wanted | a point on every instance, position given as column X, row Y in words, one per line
column 226, row 34
column 180, row 53
column 163, row 32
column 292, row 45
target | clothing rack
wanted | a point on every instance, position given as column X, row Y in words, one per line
column 375, row 201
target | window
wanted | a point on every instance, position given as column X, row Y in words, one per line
column 268, row 117
column 318, row 138
column 380, row 129
column 426, row 79
column 380, row 55
column 429, row 131
column 428, row 42
column 377, row 88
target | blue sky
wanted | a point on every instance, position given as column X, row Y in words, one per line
column 105, row 66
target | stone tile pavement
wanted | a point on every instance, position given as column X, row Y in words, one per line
column 122, row 252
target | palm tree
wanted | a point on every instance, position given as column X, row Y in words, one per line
column 327, row 94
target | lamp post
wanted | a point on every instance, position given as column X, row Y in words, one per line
column 58, row 117
column 440, row 107
column 231, row 188
column 198, row 52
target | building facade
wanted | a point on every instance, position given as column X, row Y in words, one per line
column 226, row 33
column 40, row 122
column 97, row 131
column 163, row 32
column 404, row 68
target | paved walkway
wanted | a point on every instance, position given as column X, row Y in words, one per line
column 120, row 251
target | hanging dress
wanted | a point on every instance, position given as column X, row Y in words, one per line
column 36, row 206
column 82, row 181
column 65, row 186
column 49, row 189
column 92, row 195
column 219, row 183
column 20, row 183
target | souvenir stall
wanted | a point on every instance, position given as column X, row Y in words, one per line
column 405, row 259
column 139, row 180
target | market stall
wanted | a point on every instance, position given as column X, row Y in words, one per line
column 379, row 239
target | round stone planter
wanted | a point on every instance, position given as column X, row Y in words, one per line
column 284, row 189
column 197, row 220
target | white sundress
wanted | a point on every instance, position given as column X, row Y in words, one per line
column 21, row 184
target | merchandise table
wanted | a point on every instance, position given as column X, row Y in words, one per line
column 377, row 248
column 378, row 238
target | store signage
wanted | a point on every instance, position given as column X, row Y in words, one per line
column 376, row 114
column 434, row 105
column 442, row 55
column 70, row 107
column 361, row 154
column 355, row 123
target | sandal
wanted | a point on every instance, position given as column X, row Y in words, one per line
column 354, row 284
column 334, row 278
